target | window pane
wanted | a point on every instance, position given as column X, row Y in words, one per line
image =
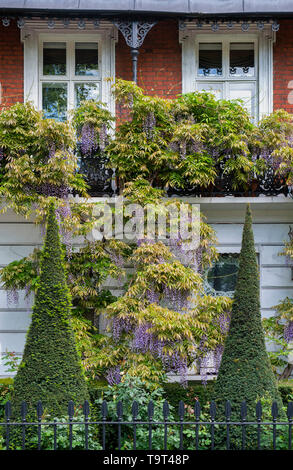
column 54, row 58
column 86, row 58
column 242, row 59
column 55, row 100
column 86, row 91
column 246, row 92
column 223, row 276
column 210, row 59
column 216, row 88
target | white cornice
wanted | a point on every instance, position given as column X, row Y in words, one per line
column 188, row 29
column 39, row 25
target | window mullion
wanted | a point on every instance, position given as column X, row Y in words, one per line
column 226, row 59
column 71, row 60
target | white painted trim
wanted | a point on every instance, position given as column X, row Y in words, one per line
column 190, row 35
column 37, row 31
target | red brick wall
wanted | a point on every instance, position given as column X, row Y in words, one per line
column 11, row 65
column 283, row 67
column 159, row 61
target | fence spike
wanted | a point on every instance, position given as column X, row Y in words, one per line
column 70, row 409
column 275, row 411
column 134, row 409
column 243, row 411
column 104, row 409
column 181, row 410
column 228, row 409
column 39, row 409
column 258, row 410
column 197, row 409
column 119, row 409
column 166, row 409
column 86, row 409
column 8, row 410
column 290, row 410
column 23, row 410
column 151, row 409
column 213, row 410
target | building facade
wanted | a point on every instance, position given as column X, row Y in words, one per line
column 58, row 56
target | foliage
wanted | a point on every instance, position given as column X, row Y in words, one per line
column 50, row 369
column 190, row 140
column 154, row 299
column 132, row 389
column 92, row 123
column 159, row 323
column 62, row 441
column 162, row 143
column 279, row 328
column 275, row 138
column 245, row 372
column 286, row 390
column 194, row 391
column 6, row 389
column 38, row 161
column 86, row 270
column 278, row 333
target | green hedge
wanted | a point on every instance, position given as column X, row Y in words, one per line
column 174, row 392
column 286, row 391
column 195, row 390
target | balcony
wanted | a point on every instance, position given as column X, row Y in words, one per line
column 103, row 182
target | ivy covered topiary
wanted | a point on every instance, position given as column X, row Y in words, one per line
column 50, row 370
column 245, row 372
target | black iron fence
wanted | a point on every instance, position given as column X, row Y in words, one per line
column 192, row 429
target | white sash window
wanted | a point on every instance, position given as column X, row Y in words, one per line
column 65, row 66
column 230, row 65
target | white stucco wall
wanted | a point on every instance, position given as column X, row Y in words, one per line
column 272, row 217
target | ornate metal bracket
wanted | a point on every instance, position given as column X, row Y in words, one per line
column 134, row 33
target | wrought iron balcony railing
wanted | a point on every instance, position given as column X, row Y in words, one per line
column 103, row 182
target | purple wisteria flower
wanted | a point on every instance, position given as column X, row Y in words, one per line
column 149, row 124
column 119, row 326
column 12, row 297
column 152, row 295
column 217, row 356
column 224, row 322
column 143, row 338
column 113, row 376
column 103, row 137
column 178, row 298
column 89, row 142
column 288, row 332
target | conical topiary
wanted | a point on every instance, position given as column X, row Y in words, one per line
column 50, row 370
column 245, row 372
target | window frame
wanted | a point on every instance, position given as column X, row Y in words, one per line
column 36, row 33
column 190, row 36
column 70, row 78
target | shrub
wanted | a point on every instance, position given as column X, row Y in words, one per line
column 245, row 372
column 63, row 435
column 132, row 389
column 50, row 369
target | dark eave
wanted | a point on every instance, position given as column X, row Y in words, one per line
column 167, row 8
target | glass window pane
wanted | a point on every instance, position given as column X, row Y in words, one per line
column 216, row 88
column 242, row 59
column 210, row 59
column 86, row 91
column 223, row 276
column 54, row 58
column 86, row 58
column 55, row 100
column 246, row 92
